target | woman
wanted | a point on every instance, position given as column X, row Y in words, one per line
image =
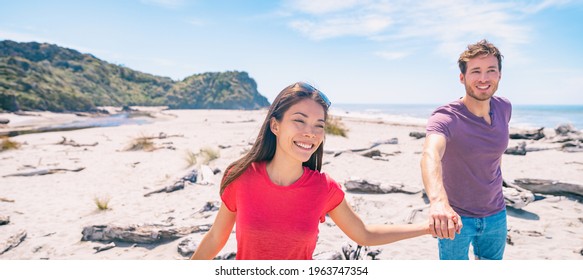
column 276, row 193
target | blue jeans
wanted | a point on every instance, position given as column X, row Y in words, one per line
column 487, row 236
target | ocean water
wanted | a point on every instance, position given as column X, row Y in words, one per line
column 523, row 116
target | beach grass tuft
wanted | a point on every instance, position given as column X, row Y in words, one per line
column 8, row 144
column 335, row 127
column 209, row 154
column 102, row 202
column 141, row 143
column 190, row 158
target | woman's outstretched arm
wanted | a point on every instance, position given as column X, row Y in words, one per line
column 216, row 238
column 371, row 235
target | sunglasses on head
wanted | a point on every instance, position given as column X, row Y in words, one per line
column 310, row 88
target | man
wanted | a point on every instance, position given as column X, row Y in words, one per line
column 461, row 161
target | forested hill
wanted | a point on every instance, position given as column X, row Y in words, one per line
column 39, row 76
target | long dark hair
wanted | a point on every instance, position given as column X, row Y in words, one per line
column 266, row 142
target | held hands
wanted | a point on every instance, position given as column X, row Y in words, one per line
column 444, row 222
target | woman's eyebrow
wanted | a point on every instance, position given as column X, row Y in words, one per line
column 305, row 116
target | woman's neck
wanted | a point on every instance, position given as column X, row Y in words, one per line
column 284, row 172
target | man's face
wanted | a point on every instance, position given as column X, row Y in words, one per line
column 481, row 77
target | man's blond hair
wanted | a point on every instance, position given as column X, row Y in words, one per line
column 481, row 48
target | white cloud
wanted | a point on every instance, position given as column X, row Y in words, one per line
column 197, row 22
column 446, row 24
column 342, row 26
column 323, row 6
column 392, row 55
column 169, row 4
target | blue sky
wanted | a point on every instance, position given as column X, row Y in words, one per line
column 395, row 52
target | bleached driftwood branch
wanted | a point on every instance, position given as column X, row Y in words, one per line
column 549, row 186
column 365, row 186
column 12, row 242
column 144, row 234
column 391, row 141
column 44, row 172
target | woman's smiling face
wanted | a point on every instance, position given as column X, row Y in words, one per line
column 300, row 131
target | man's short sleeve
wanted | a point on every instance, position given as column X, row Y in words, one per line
column 439, row 123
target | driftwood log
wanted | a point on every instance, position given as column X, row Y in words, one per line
column 226, row 256
column 391, row 141
column 74, row 144
column 519, row 150
column 516, row 196
column 44, row 172
column 142, row 234
column 4, row 220
column 413, row 213
column 572, row 149
column 178, row 185
column 359, row 253
column 417, row 135
column 202, row 177
column 161, row 135
column 566, row 129
column 12, row 242
column 187, row 247
column 105, row 247
column 330, row 255
column 2, row 199
column 364, row 186
column 550, row 187
column 205, row 175
column 529, row 134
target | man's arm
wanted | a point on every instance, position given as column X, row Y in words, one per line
column 444, row 222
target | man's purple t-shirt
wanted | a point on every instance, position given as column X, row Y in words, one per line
column 471, row 163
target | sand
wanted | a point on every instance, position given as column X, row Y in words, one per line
column 53, row 209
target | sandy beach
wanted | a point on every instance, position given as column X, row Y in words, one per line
column 53, row 209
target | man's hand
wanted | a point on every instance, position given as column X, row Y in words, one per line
column 444, row 222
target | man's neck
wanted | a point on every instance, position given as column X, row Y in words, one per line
column 477, row 107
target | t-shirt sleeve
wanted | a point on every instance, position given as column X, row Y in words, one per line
column 229, row 197
column 335, row 196
column 439, row 123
